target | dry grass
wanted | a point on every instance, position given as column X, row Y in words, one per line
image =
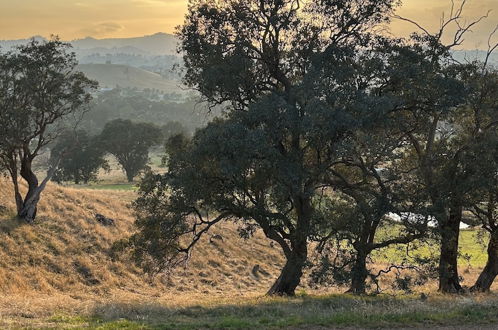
column 64, row 259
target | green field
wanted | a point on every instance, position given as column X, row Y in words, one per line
column 472, row 251
column 110, row 186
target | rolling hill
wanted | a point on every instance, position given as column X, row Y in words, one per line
column 156, row 44
column 68, row 252
column 113, row 75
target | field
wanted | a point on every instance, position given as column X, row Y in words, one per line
column 61, row 273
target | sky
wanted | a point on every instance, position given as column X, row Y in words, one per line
column 74, row 19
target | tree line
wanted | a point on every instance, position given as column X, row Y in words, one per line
column 82, row 156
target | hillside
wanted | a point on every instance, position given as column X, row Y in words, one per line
column 156, row 44
column 112, row 75
column 66, row 254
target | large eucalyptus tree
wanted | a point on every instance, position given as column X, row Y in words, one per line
column 296, row 78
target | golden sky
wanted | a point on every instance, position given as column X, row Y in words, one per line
column 73, row 19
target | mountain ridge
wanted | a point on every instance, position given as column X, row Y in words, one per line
column 155, row 44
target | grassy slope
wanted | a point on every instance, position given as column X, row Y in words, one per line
column 112, row 75
column 59, row 273
column 66, row 255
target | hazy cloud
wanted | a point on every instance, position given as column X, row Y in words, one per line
column 102, row 29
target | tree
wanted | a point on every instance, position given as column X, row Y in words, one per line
column 39, row 92
column 479, row 161
column 130, row 142
column 371, row 193
column 435, row 90
column 83, row 157
column 287, row 116
column 173, row 128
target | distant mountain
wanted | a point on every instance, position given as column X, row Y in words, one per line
column 142, row 63
column 153, row 45
column 156, row 44
column 6, row 45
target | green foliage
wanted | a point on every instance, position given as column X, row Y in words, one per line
column 82, row 157
column 130, row 142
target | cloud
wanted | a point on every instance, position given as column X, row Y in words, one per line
column 102, row 29
column 156, row 3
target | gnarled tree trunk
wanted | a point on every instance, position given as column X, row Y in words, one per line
column 291, row 274
column 449, row 281
column 359, row 274
column 490, row 271
column 27, row 207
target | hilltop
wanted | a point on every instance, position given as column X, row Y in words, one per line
column 156, row 44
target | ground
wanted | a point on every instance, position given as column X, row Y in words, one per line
column 61, row 273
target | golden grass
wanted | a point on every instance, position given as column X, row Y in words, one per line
column 68, row 251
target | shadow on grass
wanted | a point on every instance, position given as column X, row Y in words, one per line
column 9, row 222
column 302, row 312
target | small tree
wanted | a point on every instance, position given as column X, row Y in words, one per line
column 371, row 195
column 83, row 157
column 39, row 91
column 130, row 142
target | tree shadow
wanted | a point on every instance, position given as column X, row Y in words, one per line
column 9, row 221
column 302, row 311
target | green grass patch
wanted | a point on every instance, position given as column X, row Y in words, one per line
column 325, row 311
column 120, row 186
column 472, row 249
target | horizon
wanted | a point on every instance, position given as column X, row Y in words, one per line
column 80, row 19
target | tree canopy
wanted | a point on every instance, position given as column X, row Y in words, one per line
column 82, row 156
column 331, row 132
column 130, row 142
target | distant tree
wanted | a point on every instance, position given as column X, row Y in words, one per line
column 129, row 104
column 173, row 128
column 39, row 92
column 130, row 142
column 82, row 156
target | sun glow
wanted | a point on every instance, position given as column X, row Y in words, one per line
column 72, row 19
